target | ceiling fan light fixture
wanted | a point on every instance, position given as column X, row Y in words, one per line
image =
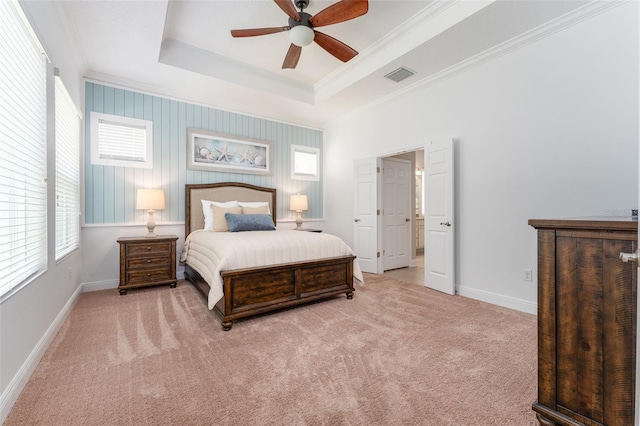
column 301, row 35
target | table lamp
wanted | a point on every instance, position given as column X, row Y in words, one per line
column 150, row 200
column 298, row 203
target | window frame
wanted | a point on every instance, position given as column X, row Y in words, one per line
column 67, row 171
column 24, row 245
column 306, row 150
column 118, row 120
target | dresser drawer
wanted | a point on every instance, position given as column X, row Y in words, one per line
column 148, row 262
column 140, row 249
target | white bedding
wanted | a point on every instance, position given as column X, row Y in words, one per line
column 211, row 252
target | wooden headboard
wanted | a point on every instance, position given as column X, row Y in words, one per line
column 222, row 191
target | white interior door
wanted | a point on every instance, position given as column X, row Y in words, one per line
column 366, row 214
column 439, row 222
column 396, row 213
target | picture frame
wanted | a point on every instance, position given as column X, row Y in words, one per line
column 219, row 152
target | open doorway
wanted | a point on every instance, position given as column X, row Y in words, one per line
column 403, row 216
column 439, row 207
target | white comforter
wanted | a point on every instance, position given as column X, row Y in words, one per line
column 211, row 252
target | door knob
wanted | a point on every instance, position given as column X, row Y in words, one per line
column 356, row 220
column 447, row 223
column 629, row 257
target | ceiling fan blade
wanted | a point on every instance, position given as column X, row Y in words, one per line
column 339, row 12
column 335, row 47
column 293, row 56
column 288, row 8
column 252, row 32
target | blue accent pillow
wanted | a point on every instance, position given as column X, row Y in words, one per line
column 249, row 222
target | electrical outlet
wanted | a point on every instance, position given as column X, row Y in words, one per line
column 527, row 274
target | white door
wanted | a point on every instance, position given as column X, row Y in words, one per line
column 396, row 213
column 439, row 222
column 366, row 214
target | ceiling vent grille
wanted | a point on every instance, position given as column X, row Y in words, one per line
column 400, row 74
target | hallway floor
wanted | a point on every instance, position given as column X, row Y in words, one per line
column 411, row 274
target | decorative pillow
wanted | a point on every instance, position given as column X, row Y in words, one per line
column 255, row 210
column 249, row 222
column 208, row 213
column 219, row 217
column 254, row 204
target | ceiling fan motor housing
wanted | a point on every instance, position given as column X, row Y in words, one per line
column 304, row 20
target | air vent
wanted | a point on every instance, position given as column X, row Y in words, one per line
column 400, row 74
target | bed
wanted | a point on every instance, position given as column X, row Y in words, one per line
column 238, row 292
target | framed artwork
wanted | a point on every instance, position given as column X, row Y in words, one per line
column 217, row 152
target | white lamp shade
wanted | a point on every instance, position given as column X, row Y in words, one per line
column 150, row 199
column 301, row 35
column 298, row 203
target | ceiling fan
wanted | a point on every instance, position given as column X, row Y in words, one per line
column 302, row 25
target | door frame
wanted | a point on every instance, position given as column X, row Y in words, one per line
column 411, row 148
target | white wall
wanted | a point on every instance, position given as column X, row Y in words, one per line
column 548, row 130
column 30, row 318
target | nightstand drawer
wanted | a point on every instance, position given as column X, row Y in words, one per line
column 148, row 275
column 139, row 249
column 148, row 262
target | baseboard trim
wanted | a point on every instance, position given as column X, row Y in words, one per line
column 100, row 285
column 19, row 381
column 498, row 299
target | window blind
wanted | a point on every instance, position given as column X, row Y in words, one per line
column 23, row 193
column 306, row 163
column 67, row 172
column 122, row 142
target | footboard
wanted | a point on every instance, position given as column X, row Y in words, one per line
column 255, row 291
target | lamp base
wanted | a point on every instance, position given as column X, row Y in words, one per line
column 151, row 225
column 299, row 219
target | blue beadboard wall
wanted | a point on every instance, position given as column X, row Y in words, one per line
column 110, row 192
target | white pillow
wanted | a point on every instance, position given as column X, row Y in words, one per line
column 254, row 204
column 208, row 213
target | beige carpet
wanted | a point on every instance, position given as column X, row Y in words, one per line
column 397, row 354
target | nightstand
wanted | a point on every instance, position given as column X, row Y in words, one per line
column 309, row 230
column 147, row 261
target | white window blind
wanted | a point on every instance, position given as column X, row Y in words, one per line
column 305, row 163
column 67, row 172
column 23, row 193
column 121, row 141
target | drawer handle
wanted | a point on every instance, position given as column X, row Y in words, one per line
column 149, row 274
column 630, row 257
column 148, row 260
column 149, row 248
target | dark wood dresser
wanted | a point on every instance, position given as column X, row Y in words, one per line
column 147, row 261
column 587, row 302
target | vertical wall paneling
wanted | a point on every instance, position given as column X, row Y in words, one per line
column 110, row 192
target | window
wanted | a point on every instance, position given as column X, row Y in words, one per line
column 121, row 141
column 67, row 172
column 23, row 122
column 305, row 163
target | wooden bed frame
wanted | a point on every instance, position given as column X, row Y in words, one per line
column 254, row 291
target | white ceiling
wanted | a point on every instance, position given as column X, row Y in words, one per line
column 183, row 49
